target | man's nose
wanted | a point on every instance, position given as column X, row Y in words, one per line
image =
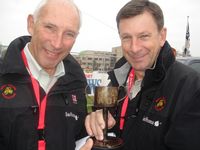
column 57, row 41
column 135, row 45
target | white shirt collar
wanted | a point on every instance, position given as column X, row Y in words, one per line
column 39, row 73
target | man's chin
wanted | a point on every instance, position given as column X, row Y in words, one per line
column 139, row 68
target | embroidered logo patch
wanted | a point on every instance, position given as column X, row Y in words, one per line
column 8, row 91
column 160, row 103
column 156, row 123
column 74, row 99
column 71, row 115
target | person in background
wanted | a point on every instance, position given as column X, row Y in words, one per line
column 161, row 108
column 42, row 103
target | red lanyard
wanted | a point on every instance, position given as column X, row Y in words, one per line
column 125, row 103
column 42, row 106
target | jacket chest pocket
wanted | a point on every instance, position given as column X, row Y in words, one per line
column 146, row 131
column 75, row 99
column 69, row 101
column 66, row 112
column 153, row 129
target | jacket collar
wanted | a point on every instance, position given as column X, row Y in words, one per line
column 165, row 59
column 13, row 62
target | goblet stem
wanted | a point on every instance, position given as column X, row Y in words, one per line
column 105, row 117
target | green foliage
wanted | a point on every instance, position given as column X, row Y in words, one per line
column 90, row 103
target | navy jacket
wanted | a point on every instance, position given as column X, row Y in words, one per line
column 165, row 114
column 66, row 105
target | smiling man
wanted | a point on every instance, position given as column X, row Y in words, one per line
column 42, row 103
column 160, row 110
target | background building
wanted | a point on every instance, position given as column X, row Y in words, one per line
column 101, row 61
column 118, row 51
column 3, row 49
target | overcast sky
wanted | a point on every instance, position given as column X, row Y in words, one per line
column 98, row 31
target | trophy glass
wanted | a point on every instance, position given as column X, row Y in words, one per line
column 106, row 97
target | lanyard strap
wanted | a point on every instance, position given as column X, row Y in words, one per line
column 41, row 105
column 125, row 103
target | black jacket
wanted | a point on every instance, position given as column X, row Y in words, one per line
column 165, row 114
column 66, row 105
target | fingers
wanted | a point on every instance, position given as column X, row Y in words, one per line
column 87, row 145
column 87, row 125
column 98, row 118
column 99, row 124
column 95, row 124
column 111, row 121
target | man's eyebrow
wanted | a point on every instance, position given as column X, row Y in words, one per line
column 49, row 23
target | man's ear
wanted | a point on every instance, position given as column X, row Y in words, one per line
column 30, row 24
column 163, row 35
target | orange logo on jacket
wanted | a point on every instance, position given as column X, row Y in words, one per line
column 160, row 103
column 8, row 91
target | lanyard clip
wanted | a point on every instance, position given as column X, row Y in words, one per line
column 41, row 134
column 34, row 109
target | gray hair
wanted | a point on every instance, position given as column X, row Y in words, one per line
column 40, row 6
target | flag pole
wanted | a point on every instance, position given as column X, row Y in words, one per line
column 186, row 51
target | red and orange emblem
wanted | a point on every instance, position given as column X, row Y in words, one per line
column 160, row 103
column 8, row 91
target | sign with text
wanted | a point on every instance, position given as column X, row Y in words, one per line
column 96, row 79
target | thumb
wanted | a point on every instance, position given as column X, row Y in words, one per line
column 88, row 145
